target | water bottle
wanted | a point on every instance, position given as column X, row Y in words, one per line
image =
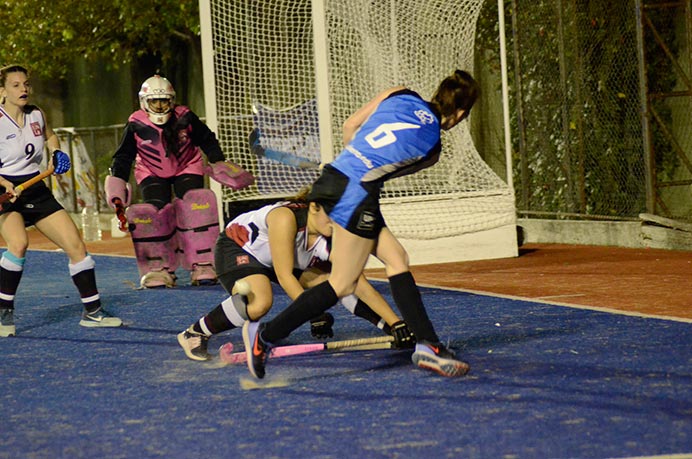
column 91, row 228
column 115, row 228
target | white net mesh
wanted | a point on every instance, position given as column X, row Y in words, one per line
column 263, row 56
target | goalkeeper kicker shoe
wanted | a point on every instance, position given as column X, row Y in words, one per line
column 98, row 319
column 203, row 274
column 194, row 344
column 256, row 349
column 7, row 323
column 436, row 357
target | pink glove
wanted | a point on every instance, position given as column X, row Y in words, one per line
column 229, row 174
column 117, row 188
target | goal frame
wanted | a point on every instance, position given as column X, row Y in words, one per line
column 497, row 242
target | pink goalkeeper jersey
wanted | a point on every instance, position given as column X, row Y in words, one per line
column 151, row 153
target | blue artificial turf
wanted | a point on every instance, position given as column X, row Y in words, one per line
column 546, row 381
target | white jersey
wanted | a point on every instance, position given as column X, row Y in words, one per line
column 250, row 231
column 21, row 148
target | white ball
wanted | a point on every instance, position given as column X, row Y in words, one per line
column 242, row 287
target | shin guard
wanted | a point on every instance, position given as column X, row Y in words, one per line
column 311, row 303
column 154, row 238
column 197, row 219
column 11, row 270
column 84, row 278
column 408, row 299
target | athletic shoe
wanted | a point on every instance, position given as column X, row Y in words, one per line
column 436, row 357
column 7, row 323
column 203, row 274
column 157, row 279
column 194, row 344
column 256, row 349
column 99, row 318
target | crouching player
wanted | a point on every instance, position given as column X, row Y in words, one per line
column 286, row 243
column 163, row 140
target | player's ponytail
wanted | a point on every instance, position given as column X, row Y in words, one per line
column 457, row 91
column 302, row 195
column 171, row 136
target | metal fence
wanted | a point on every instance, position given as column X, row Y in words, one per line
column 600, row 97
column 91, row 150
column 600, row 103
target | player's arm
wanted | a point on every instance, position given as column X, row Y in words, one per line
column 356, row 120
column 205, row 138
column 282, row 228
column 9, row 188
column 52, row 140
column 125, row 154
column 60, row 160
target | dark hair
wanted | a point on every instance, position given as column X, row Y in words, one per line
column 171, row 135
column 457, row 91
column 4, row 71
column 303, row 195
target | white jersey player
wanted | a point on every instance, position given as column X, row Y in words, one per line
column 24, row 134
column 286, row 243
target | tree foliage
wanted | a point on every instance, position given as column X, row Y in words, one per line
column 49, row 35
column 576, row 103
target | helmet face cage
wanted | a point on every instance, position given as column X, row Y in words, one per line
column 157, row 88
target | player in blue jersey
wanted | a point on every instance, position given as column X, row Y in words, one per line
column 396, row 133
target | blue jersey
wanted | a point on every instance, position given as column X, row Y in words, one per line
column 400, row 137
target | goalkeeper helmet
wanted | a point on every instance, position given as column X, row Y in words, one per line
column 156, row 98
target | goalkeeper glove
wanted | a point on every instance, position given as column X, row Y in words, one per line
column 61, row 162
column 229, row 174
column 403, row 336
column 321, row 326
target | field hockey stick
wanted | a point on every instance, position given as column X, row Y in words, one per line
column 227, row 355
column 120, row 213
column 280, row 156
column 23, row 186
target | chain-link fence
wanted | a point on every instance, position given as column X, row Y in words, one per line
column 91, row 150
column 578, row 89
column 581, row 74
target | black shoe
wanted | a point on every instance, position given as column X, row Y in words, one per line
column 257, row 351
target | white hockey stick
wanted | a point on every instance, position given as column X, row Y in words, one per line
column 279, row 156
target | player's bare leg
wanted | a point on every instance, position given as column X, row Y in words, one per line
column 11, row 268
column 61, row 230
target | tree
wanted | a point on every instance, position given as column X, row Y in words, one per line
column 49, row 35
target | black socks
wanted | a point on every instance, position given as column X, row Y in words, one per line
column 407, row 298
column 311, row 303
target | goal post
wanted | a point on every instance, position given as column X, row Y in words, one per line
column 292, row 71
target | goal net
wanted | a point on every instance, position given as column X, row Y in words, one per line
column 294, row 70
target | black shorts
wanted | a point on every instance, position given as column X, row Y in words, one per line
column 232, row 263
column 157, row 190
column 353, row 205
column 35, row 203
